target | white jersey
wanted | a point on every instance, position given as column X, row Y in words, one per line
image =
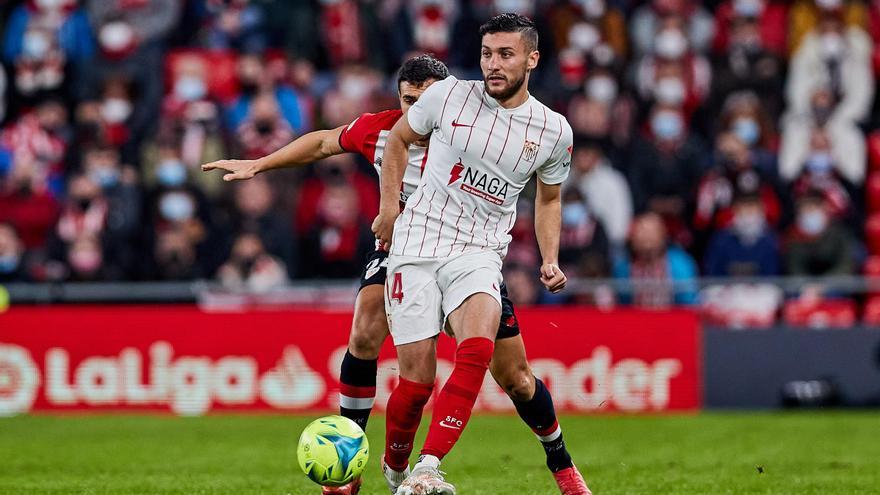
column 481, row 155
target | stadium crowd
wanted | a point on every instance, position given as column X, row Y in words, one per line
column 715, row 138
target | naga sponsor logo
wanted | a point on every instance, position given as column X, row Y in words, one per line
column 477, row 183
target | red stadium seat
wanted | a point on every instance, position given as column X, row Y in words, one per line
column 824, row 313
column 872, row 192
column 872, row 233
column 872, row 311
column 222, row 81
column 874, row 151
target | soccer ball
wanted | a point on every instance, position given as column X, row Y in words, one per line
column 333, row 451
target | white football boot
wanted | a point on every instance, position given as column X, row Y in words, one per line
column 426, row 479
column 393, row 478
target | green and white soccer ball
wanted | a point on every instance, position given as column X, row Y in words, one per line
column 333, row 451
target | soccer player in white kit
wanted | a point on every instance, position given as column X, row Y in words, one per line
column 487, row 138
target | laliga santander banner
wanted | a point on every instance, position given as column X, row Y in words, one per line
column 183, row 360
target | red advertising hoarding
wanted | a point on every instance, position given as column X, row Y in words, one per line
column 189, row 362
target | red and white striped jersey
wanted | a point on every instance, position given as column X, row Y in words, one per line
column 367, row 135
column 481, row 157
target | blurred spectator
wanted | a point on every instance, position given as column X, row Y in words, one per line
column 86, row 262
column 747, row 63
column 524, row 245
column 522, row 284
column 174, row 257
column 32, row 212
column 340, row 237
column 251, row 268
column 768, row 17
column 233, row 25
column 733, row 174
column 33, row 148
column 687, row 15
column 805, row 15
column 255, row 212
column 131, row 34
column 120, row 188
column 13, row 267
column 744, row 116
column 818, row 244
column 672, row 74
column 802, row 135
column 748, row 247
column 357, row 91
column 665, row 168
column 256, row 80
column 44, row 43
column 333, row 171
column 836, row 57
column 264, row 130
column 821, row 175
column 348, row 31
column 582, row 240
column 653, row 266
column 604, row 189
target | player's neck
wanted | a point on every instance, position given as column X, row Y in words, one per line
column 516, row 100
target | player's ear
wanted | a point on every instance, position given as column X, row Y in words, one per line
column 532, row 61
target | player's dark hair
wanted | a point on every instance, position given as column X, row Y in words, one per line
column 419, row 69
column 512, row 23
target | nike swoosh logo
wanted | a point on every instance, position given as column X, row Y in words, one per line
column 444, row 424
column 456, row 124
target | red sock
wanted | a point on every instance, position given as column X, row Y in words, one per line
column 456, row 401
column 402, row 420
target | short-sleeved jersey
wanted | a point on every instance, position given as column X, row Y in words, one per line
column 481, row 157
column 367, row 135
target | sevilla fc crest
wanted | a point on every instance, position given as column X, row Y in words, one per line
column 530, row 151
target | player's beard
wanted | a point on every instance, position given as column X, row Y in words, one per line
column 509, row 91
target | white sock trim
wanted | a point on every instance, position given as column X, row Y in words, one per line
column 356, row 402
column 551, row 437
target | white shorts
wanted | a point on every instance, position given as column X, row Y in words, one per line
column 420, row 293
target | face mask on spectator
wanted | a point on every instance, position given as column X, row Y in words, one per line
column 9, row 263
column 832, row 45
column 190, row 88
column 83, row 203
column 574, row 214
column 592, row 8
column 115, row 110
column 669, row 91
column 50, row 4
column 171, row 173
column 812, row 222
column 85, row 260
column 749, row 226
column 176, row 207
column 524, row 7
column 36, row 44
column 354, row 87
column 602, row 89
column 106, row 177
column 583, row 36
column 667, row 125
column 820, row 162
column 748, row 8
column 747, row 130
column 116, row 36
column 829, row 4
column 670, row 44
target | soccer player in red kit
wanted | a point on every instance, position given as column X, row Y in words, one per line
column 367, row 135
column 487, row 139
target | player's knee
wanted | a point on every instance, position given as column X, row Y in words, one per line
column 520, row 385
column 367, row 337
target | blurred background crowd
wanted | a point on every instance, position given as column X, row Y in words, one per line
column 715, row 138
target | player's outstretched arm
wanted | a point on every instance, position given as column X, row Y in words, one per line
column 393, row 167
column 548, row 222
column 306, row 149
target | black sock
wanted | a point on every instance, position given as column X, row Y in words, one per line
column 539, row 414
column 357, row 388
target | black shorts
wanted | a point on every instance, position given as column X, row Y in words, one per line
column 375, row 271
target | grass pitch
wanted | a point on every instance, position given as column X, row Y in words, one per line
column 736, row 453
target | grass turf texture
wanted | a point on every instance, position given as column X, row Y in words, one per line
column 803, row 453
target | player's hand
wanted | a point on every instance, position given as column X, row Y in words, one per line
column 552, row 277
column 383, row 226
column 239, row 169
